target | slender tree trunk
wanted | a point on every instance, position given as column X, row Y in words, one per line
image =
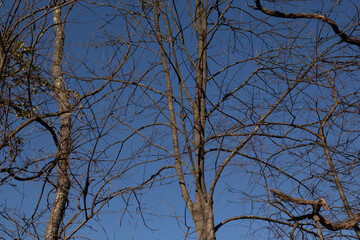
column 65, row 143
column 203, row 206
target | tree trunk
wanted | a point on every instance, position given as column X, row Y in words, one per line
column 202, row 214
column 202, row 208
column 65, row 143
column 204, row 219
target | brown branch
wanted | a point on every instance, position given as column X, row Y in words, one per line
column 344, row 37
column 12, row 172
column 348, row 223
column 287, row 198
column 248, row 218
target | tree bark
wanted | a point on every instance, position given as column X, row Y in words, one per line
column 203, row 206
column 65, row 143
column 203, row 217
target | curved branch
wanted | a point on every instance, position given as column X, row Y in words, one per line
column 344, row 37
column 249, row 217
column 346, row 224
column 47, row 168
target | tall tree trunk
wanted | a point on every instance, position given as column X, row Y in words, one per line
column 65, row 143
column 203, row 206
column 203, row 218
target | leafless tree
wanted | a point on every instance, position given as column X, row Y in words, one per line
column 336, row 131
column 65, row 140
column 253, row 107
column 55, row 125
column 251, row 111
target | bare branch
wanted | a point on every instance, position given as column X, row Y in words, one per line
column 344, row 37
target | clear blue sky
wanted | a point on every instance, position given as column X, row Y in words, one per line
column 159, row 204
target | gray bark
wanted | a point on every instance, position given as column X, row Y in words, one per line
column 203, row 206
column 65, row 143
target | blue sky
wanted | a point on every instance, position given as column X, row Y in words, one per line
column 87, row 55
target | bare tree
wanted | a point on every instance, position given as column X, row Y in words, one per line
column 51, row 119
column 250, row 111
column 251, row 106
column 65, row 140
column 338, row 150
column 23, row 90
